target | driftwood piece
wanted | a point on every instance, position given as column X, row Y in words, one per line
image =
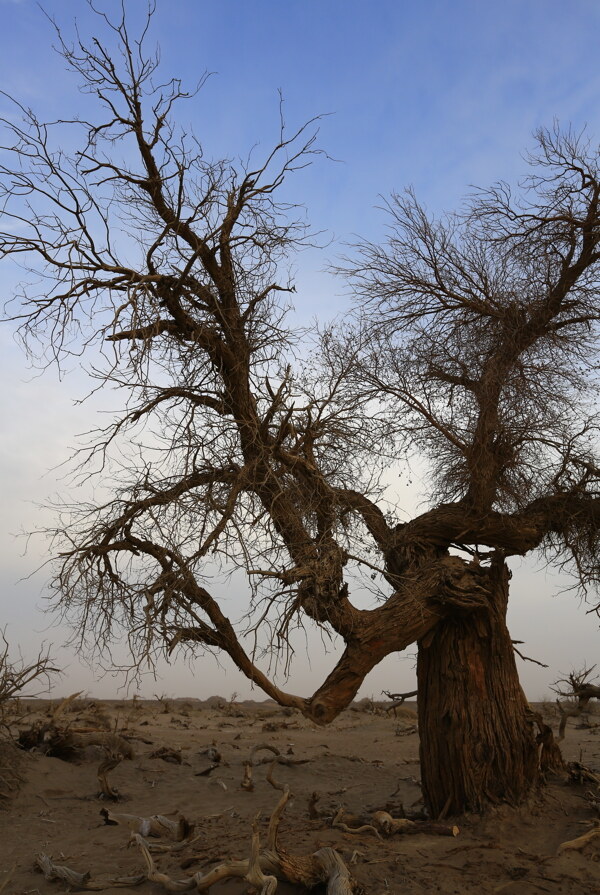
column 579, row 773
column 60, row 871
column 265, row 866
column 156, row 825
column 580, row 842
column 377, row 822
column 78, row 880
column 390, row 825
column 167, row 754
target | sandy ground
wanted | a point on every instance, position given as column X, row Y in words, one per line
column 366, row 759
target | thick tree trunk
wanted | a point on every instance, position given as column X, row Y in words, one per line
column 478, row 744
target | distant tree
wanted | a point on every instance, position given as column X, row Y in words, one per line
column 579, row 690
column 476, row 344
column 16, row 675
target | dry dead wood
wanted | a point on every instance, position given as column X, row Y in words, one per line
column 78, row 880
column 550, row 758
column 579, row 773
column 265, row 866
column 390, row 825
column 377, row 822
column 116, row 749
column 67, row 743
column 156, row 825
column 397, row 699
column 215, row 758
column 338, row 822
column 247, row 780
column 580, row 842
column 274, row 783
column 165, row 753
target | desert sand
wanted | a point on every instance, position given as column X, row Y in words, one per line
column 365, row 761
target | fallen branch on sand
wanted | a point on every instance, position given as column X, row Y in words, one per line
column 156, row 825
column 167, row 754
column 77, row 880
column 377, row 822
column 262, row 869
column 580, row 842
column 390, row 825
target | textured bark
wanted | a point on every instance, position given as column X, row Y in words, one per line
column 477, row 739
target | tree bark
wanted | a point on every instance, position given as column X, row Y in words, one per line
column 477, row 739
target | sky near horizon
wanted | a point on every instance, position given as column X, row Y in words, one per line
column 437, row 95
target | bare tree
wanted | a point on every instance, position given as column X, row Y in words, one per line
column 579, row 690
column 230, row 451
column 481, row 335
column 16, row 674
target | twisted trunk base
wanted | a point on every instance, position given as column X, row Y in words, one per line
column 478, row 744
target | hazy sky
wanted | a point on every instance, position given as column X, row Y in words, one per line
column 440, row 95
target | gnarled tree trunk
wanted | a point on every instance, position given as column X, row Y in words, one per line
column 478, row 743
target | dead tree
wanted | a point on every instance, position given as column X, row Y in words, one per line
column 575, row 687
column 17, row 675
column 474, row 341
column 478, row 337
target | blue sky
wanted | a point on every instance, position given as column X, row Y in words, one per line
column 440, row 95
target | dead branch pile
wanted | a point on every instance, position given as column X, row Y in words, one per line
column 262, row 870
